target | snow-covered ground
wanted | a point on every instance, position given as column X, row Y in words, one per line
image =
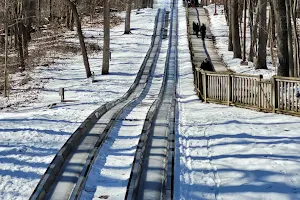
column 219, row 29
column 110, row 173
column 230, row 153
column 222, row 152
column 31, row 134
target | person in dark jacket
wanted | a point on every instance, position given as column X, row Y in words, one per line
column 203, row 31
column 206, row 65
column 194, row 27
column 197, row 30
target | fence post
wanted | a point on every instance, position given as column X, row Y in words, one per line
column 62, row 94
column 229, row 89
column 274, row 94
column 196, row 84
column 204, row 86
column 259, row 92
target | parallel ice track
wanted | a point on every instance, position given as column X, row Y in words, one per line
column 152, row 175
column 66, row 175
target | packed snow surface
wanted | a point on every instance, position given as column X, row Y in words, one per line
column 111, row 171
column 231, row 153
column 31, row 134
column 221, row 152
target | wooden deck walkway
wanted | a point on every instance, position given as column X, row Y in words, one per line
column 204, row 49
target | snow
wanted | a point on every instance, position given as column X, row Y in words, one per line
column 110, row 173
column 231, row 153
column 31, row 133
column 221, row 152
column 219, row 29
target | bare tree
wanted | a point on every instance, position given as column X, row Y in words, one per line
column 5, row 57
column 106, row 43
column 230, row 44
column 80, row 37
column 282, row 37
column 127, row 19
column 252, row 42
column 290, row 39
column 296, row 40
column 235, row 29
column 272, row 34
column 263, row 36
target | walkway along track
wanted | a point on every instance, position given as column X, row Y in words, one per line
column 152, row 174
column 66, row 175
column 202, row 49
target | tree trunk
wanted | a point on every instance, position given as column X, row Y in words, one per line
column 39, row 13
column 235, row 30
column 145, row 3
column 290, row 39
column 137, row 4
column 5, row 87
column 272, row 22
column 150, row 3
column 127, row 20
column 296, row 42
column 106, row 43
column 226, row 12
column 20, row 47
column 251, row 51
column 24, row 40
column 68, row 18
column 282, row 38
column 71, row 20
column 272, row 34
column 50, row 10
column 80, row 37
column 263, row 36
column 230, row 45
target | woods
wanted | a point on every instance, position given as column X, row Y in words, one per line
column 270, row 20
column 22, row 20
column 273, row 26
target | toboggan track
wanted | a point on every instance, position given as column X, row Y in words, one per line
column 75, row 158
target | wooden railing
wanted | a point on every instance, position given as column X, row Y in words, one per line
column 280, row 94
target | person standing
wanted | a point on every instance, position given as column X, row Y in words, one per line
column 206, row 65
column 197, row 27
column 203, row 31
column 194, row 27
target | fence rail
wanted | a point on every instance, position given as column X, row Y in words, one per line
column 280, row 94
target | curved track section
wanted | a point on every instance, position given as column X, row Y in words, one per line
column 66, row 174
column 152, row 174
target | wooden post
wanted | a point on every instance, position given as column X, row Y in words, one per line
column 93, row 77
column 233, row 98
column 204, row 86
column 62, row 94
column 229, row 89
column 274, row 94
column 195, row 77
column 259, row 92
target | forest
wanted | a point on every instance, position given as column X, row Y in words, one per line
column 27, row 22
column 274, row 31
column 273, row 24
